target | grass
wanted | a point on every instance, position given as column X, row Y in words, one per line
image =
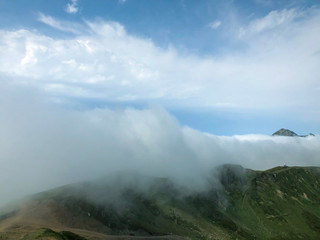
column 280, row 203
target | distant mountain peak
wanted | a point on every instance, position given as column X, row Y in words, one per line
column 285, row 132
column 289, row 133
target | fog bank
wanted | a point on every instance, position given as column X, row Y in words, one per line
column 44, row 145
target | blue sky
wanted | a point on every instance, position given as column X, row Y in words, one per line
column 224, row 67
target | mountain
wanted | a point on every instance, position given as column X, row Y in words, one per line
column 289, row 133
column 238, row 203
column 285, row 132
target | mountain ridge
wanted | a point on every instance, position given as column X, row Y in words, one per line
column 243, row 204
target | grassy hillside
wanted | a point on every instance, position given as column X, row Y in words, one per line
column 280, row 203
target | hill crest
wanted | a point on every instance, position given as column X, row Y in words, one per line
column 246, row 204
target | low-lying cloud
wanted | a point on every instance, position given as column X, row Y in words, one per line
column 44, row 145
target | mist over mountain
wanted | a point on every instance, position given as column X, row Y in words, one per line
column 45, row 145
column 238, row 203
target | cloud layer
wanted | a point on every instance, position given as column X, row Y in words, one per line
column 44, row 146
column 277, row 69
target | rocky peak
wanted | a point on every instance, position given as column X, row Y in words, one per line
column 285, row 132
column 289, row 133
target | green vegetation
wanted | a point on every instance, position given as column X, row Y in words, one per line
column 280, row 203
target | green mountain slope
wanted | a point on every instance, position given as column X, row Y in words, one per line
column 280, row 203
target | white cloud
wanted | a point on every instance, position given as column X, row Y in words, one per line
column 215, row 24
column 62, row 26
column 273, row 20
column 277, row 71
column 50, row 146
column 72, row 7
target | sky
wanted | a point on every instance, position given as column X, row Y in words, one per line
column 171, row 88
column 223, row 67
